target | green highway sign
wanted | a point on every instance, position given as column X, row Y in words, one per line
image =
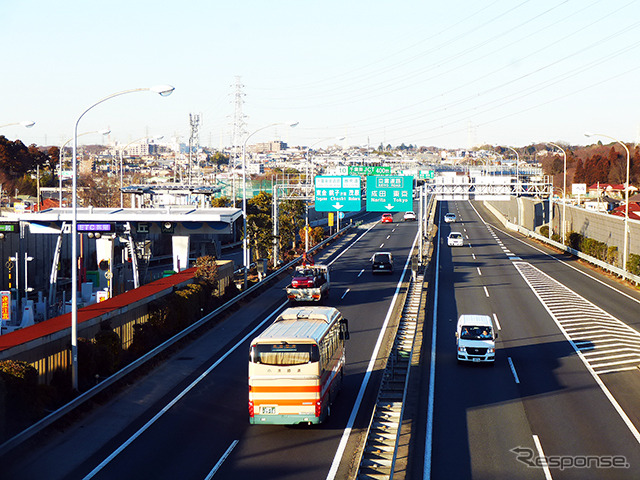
column 390, row 193
column 369, row 170
column 337, row 193
column 363, row 170
column 424, row 174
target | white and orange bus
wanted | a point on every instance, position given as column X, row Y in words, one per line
column 296, row 366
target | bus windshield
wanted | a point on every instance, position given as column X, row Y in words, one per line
column 284, row 353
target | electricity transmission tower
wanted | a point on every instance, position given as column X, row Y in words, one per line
column 194, row 140
column 238, row 131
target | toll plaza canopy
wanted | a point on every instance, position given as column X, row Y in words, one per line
column 178, row 220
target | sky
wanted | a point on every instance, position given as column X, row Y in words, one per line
column 452, row 74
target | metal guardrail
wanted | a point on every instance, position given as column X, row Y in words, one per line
column 120, row 374
column 560, row 246
column 378, row 457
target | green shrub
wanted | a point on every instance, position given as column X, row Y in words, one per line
column 633, row 264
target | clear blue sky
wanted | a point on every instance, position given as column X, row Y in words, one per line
column 448, row 74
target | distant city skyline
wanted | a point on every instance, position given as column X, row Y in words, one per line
column 449, row 75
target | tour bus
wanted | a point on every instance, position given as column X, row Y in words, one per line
column 296, row 366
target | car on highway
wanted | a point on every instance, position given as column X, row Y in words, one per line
column 382, row 262
column 387, row 218
column 476, row 339
column 450, row 218
column 409, row 216
column 455, row 239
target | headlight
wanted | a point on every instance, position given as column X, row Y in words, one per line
column 462, row 349
column 491, row 350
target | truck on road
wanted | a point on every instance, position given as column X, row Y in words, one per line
column 310, row 283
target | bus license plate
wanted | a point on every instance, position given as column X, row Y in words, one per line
column 476, row 359
column 268, row 410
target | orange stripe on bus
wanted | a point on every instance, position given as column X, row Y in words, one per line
column 309, row 402
column 284, row 389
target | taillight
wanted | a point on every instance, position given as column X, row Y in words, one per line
column 251, row 412
column 318, row 408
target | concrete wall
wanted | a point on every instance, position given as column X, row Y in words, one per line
column 533, row 214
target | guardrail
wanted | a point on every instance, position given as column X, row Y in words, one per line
column 560, row 246
column 120, row 374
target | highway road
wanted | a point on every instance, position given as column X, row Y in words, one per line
column 199, row 429
column 565, row 383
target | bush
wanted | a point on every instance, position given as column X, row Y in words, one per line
column 20, row 397
column 633, row 264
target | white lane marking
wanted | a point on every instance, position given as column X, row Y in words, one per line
column 545, row 467
column 473, row 255
column 479, row 271
column 495, row 319
column 361, row 272
column 486, row 292
column 179, row 397
column 221, row 461
column 333, row 471
column 513, row 370
column 388, row 237
column 345, row 293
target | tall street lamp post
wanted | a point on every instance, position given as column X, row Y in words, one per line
column 245, row 250
column 625, row 250
column 564, row 193
column 163, row 90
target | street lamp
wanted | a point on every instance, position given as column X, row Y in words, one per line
column 564, row 193
column 626, row 199
column 102, row 132
column 162, row 90
column 121, row 163
column 25, row 123
column 245, row 250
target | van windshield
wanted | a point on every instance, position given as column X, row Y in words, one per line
column 284, row 353
column 476, row 333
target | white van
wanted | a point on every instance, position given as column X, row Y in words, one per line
column 476, row 339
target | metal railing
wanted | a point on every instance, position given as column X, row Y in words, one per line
column 120, row 374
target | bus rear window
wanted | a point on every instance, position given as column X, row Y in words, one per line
column 284, row 354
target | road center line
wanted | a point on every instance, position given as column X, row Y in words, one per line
column 513, row 370
column 221, row 461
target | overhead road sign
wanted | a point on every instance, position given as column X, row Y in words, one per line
column 364, row 170
column 337, row 193
column 390, row 193
column 424, row 174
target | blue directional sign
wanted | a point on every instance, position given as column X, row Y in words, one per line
column 390, row 193
column 337, row 193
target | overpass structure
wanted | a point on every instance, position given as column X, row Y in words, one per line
column 106, row 225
